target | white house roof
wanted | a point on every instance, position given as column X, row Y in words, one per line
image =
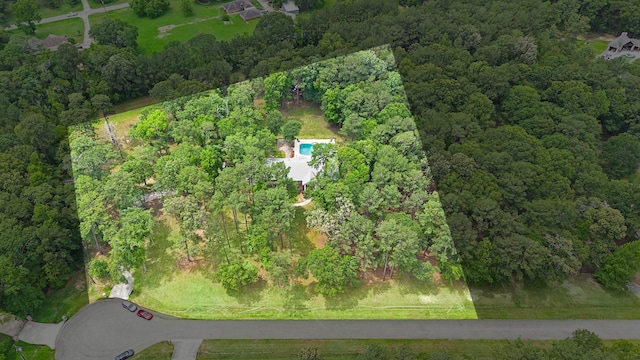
column 299, row 169
column 290, row 6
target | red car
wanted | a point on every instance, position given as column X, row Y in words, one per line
column 145, row 314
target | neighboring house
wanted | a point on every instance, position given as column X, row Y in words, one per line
column 624, row 43
column 237, row 6
column 52, row 42
column 290, row 7
column 250, row 13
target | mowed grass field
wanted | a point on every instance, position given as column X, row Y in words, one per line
column 578, row 297
column 338, row 349
column 314, row 124
column 596, row 45
column 154, row 34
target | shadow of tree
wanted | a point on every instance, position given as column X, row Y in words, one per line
column 161, row 264
column 409, row 285
column 249, row 295
column 349, row 299
column 302, row 244
column 296, row 295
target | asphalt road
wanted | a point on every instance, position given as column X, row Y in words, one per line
column 104, row 329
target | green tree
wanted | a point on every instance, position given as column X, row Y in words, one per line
column 151, row 126
column 235, row 275
column 290, row 130
column 275, row 89
column 192, row 216
column 128, row 242
column 155, row 8
column 187, row 8
column 89, row 156
column 333, row 271
column 116, row 32
column 122, row 190
column 621, row 155
column 99, row 268
column 26, row 14
column 274, row 121
column 620, row 266
column 279, row 268
column 582, row 345
column 274, row 28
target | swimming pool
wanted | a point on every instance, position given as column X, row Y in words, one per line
column 306, row 149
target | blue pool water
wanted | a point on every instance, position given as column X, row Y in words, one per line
column 306, row 149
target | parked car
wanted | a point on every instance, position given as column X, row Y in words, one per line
column 125, row 355
column 72, row 14
column 145, row 314
column 129, row 306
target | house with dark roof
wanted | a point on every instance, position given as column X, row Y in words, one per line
column 52, row 42
column 237, row 6
column 624, row 43
column 250, row 13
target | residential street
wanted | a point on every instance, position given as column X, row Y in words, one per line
column 84, row 15
column 104, row 329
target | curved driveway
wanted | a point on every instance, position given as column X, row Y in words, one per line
column 103, row 329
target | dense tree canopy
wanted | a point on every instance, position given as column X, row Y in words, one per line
column 531, row 141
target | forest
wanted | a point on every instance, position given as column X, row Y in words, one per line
column 204, row 158
column 532, row 141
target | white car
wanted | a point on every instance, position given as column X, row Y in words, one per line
column 72, row 14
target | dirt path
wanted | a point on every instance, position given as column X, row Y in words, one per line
column 163, row 30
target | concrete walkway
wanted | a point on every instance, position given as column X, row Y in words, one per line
column 303, row 203
column 185, row 349
column 634, row 288
column 41, row 334
column 10, row 325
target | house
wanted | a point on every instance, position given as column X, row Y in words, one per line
column 250, row 13
column 624, row 43
column 290, row 7
column 299, row 170
column 237, row 6
column 52, row 42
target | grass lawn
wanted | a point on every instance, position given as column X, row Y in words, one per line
column 135, row 104
column 314, row 124
column 596, row 45
column 46, row 12
column 31, row 352
column 73, row 28
column 579, row 297
column 66, row 301
column 159, row 351
column 122, row 121
column 154, row 34
column 335, row 349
